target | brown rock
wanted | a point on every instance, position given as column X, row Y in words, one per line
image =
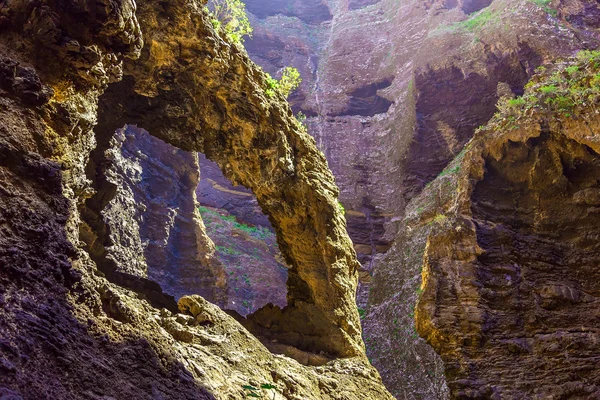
column 509, row 298
column 289, row 166
column 68, row 329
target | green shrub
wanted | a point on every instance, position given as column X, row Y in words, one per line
column 290, row 80
column 475, row 21
column 572, row 70
column 251, row 391
column 341, row 207
column 570, row 88
column 592, row 56
column 231, row 16
column 361, row 312
column 517, row 102
column 545, row 5
column 548, row 89
column 301, row 117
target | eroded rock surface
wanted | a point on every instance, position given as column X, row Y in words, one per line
column 254, row 268
column 233, row 125
column 509, row 293
column 71, row 328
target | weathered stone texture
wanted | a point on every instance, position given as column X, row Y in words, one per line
column 241, row 129
column 72, row 327
column 510, row 295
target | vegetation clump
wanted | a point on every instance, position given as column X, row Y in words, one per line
column 545, row 5
column 258, row 232
column 567, row 89
column 473, row 24
column 290, row 81
column 341, row 207
column 230, row 15
column 476, row 20
column 252, row 391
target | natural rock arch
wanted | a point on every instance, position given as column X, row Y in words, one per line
column 199, row 93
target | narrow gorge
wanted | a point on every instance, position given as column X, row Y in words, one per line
column 418, row 219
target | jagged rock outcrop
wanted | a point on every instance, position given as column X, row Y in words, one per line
column 74, row 329
column 506, row 242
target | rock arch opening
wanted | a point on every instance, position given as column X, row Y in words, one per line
column 245, row 242
column 153, row 228
column 145, row 208
column 181, row 92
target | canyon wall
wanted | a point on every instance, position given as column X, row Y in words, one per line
column 245, row 242
column 505, row 292
column 508, row 249
column 392, row 93
column 155, row 230
column 77, row 322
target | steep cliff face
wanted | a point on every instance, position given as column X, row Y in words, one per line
column 372, row 72
column 73, row 324
column 393, row 92
column 508, row 249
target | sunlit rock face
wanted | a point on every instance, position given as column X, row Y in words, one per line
column 509, row 294
column 76, row 324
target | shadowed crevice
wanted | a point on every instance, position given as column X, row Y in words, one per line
column 365, row 101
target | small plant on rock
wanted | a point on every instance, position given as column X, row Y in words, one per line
column 252, row 391
column 290, row 81
column 341, row 207
column 231, row 16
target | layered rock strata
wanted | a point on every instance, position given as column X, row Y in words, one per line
column 67, row 330
column 507, row 250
